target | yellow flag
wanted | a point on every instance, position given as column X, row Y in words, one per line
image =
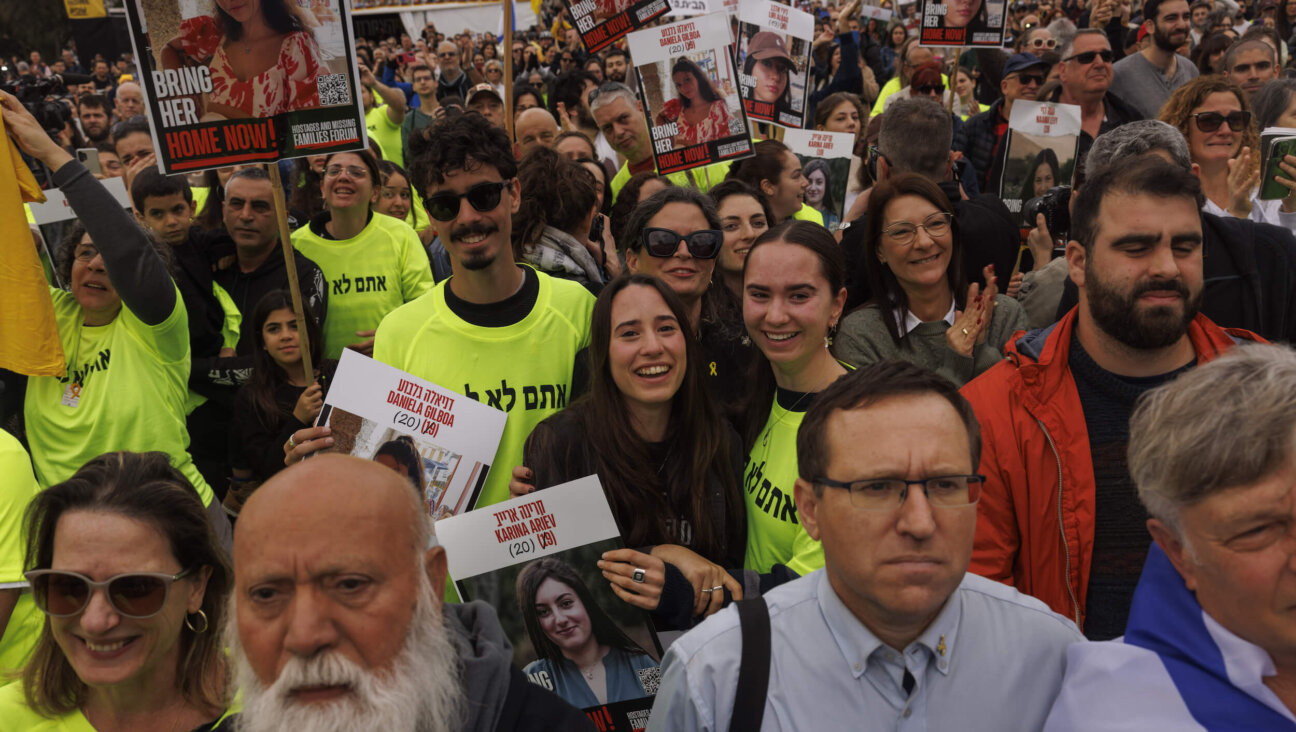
column 29, row 341
column 81, row 9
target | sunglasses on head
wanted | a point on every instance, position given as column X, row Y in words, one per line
column 60, row 593
column 663, row 243
column 1211, row 121
column 483, row 197
column 1088, row 56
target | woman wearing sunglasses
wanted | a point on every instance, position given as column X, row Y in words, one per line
column 374, row 262
column 127, row 569
column 1214, row 115
column 919, row 312
column 793, row 294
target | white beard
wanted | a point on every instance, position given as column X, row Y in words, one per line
column 421, row 691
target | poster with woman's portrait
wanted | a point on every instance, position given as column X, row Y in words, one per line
column 441, row 442
column 825, row 162
column 602, row 22
column 774, row 61
column 1043, row 143
column 246, row 81
column 535, row 560
column 689, row 87
column 961, row 22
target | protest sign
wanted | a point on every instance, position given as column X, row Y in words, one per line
column 774, row 54
column 826, row 162
column 216, row 98
column 601, row 22
column 961, row 22
column 534, row 559
column 1043, row 142
column 690, row 93
column 441, row 441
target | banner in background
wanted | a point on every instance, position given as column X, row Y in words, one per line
column 1043, row 141
column 83, row 9
column 826, row 163
column 690, row 93
column 299, row 95
column 601, row 22
column 961, row 22
column 774, row 55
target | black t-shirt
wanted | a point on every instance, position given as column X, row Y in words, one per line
column 504, row 313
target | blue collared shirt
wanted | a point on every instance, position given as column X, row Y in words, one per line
column 992, row 659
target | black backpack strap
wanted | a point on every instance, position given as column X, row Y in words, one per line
column 753, row 670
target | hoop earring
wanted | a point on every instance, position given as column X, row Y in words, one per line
column 202, row 616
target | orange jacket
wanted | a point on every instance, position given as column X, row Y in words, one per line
column 1035, row 521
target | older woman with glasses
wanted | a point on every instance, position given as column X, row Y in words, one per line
column 134, row 585
column 375, row 263
column 918, row 312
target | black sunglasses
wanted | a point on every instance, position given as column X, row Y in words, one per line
column 930, row 89
column 663, row 243
column 1024, row 79
column 1088, row 56
column 1211, row 121
column 444, row 206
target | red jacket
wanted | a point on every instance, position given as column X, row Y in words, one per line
column 1035, row 521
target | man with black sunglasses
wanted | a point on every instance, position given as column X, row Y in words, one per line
column 1085, row 77
column 1147, row 78
column 981, row 138
column 500, row 333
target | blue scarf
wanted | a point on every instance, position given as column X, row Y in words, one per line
column 1166, row 619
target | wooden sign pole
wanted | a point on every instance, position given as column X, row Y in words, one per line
column 290, row 263
column 508, row 67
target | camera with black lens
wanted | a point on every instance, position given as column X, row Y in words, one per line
column 1055, row 204
column 34, row 94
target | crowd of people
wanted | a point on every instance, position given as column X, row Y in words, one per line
column 1015, row 478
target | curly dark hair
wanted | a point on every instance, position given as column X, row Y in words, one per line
column 64, row 257
column 463, row 142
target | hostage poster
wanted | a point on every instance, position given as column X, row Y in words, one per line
column 440, row 441
column 825, row 162
column 690, row 93
column 774, row 55
column 534, row 559
column 1043, row 140
column 229, row 82
column 601, row 22
column 961, row 22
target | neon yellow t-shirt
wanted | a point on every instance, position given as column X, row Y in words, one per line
column 133, row 378
column 703, row 179
column 387, row 133
column 16, row 491
column 370, row 275
column 808, row 213
column 16, row 715
column 524, row 369
column 200, row 194
column 774, row 533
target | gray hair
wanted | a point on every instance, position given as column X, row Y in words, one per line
column 494, row 64
column 1137, row 138
column 915, row 137
column 1067, row 50
column 1063, row 31
column 612, row 90
column 1227, row 424
column 1245, row 44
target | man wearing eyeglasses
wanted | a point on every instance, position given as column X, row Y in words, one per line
column 1059, row 517
column 981, row 138
column 451, row 79
column 1147, row 78
column 1085, row 77
column 1251, row 64
column 503, row 334
column 893, row 633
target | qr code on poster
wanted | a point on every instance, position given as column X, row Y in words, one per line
column 650, row 679
column 333, row 89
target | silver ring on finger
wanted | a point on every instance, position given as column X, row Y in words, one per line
column 710, row 590
column 639, row 574
column 713, row 589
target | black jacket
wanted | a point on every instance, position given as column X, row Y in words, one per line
column 247, row 288
column 979, row 141
column 1250, row 277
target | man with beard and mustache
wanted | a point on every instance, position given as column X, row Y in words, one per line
column 616, row 63
column 1059, row 517
column 92, row 111
column 495, row 331
column 338, row 622
column 1147, row 78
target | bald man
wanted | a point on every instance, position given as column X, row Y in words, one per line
column 339, row 620
column 129, row 101
column 534, row 127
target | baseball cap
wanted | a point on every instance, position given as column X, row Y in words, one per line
column 1022, row 61
column 768, row 44
column 483, row 88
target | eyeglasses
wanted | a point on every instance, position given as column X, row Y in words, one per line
column 1043, row 43
column 663, row 243
column 1027, row 79
column 86, row 254
column 60, row 593
column 903, row 232
column 1211, row 121
column 444, row 206
column 888, row 494
column 1088, row 56
column 930, row 89
column 355, row 171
